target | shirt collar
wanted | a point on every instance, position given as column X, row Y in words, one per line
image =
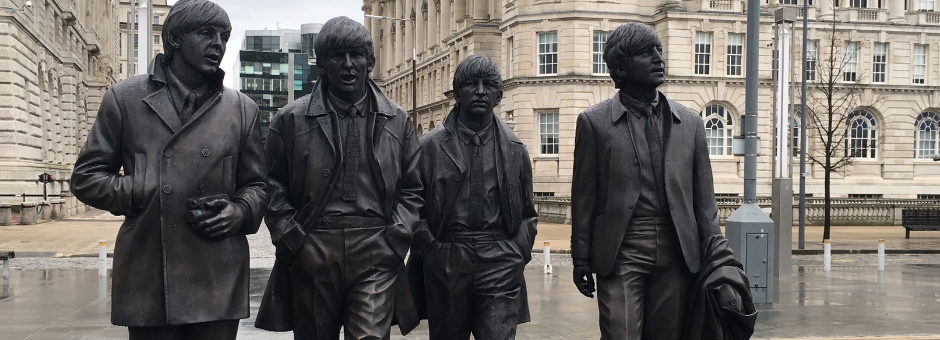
column 466, row 135
column 637, row 106
column 341, row 107
column 179, row 91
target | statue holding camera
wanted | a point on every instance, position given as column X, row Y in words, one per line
column 192, row 186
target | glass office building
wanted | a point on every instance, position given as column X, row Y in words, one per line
column 275, row 67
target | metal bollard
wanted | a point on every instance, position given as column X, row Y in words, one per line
column 102, row 258
column 546, row 251
column 6, row 269
column 827, row 256
column 881, row 255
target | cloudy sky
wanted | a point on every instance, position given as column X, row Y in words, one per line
column 271, row 14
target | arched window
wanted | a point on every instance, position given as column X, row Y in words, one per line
column 719, row 127
column 862, row 134
column 926, row 143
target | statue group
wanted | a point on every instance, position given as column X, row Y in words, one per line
column 348, row 191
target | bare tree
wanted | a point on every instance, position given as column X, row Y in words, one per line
column 832, row 98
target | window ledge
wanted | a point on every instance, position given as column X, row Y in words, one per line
column 546, row 158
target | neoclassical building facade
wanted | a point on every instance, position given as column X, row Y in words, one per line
column 57, row 59
column 550, row 55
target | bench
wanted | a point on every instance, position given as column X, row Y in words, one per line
column 920, row 220
column 5, row 256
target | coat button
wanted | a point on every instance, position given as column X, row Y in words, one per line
column 167, row 189
column 326, row 172
column 673, row 205
column 202, row 188
column 630, row 207
column 733, row 301
column 205, row 152
column 168, row 153
column 636, row 162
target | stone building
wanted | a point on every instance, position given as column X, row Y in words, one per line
column 550, row 55
column 158, row 15
column 57, row 59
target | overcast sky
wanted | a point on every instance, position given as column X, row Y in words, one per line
column 272, row 14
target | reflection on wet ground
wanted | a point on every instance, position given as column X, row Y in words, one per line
column 849, row 301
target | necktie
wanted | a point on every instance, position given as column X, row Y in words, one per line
column 476, row 184
column 189, row 107
column 351, row 166
column 656, row 155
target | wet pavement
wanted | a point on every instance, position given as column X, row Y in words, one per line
column 852, row 300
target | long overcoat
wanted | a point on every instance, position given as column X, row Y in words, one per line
column 164, row 272
column 605, row 185
column 444, row 169
column 304, row 161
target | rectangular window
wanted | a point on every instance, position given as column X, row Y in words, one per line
column 156, row 40
column 510, row 48
column 879, row 63
column 850, row 67
column 136, row 42
column 703, row 52
column 548, row 53
column 156, row 19
column 120, row 68
column 597, row 54
column 858, row 3
column 121, row 44
column 926, row 5
column 928, row 197
column 544, row 194
column 735, row 54
column 548, row 133
column 811, row 58
column 920, row 64
column 865, row 196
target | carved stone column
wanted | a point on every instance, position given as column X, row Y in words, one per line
column 826, row 10
column 896, row 12
column 481, row 10
column 446, row 19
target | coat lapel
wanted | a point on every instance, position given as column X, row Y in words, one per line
column 159, row 102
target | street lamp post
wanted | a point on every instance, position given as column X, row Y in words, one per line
column 414, row 64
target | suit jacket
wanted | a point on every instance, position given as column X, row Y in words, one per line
column 443, row 168
column 164, row 272
column 721, row 303
column 605, row 186
column 304, row 161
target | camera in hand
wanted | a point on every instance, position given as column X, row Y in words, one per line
column 200, row 210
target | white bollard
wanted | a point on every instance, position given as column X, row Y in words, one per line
column 827, row 256
column 102, row 258
column 546, row 251
column 881, row 255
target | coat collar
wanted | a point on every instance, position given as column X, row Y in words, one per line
column 617, row 110
column 318, row 108
column 451, row 144
column 160, row 101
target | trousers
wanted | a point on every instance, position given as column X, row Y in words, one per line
column 646, row 296
column 213, row 330
column 473, row 283
column 344, row 278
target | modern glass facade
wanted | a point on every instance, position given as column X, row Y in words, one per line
column 272, row 71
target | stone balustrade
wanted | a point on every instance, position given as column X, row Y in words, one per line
column 845, row 211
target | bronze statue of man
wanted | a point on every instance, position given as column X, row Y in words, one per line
column 193, row 184
column 478, row 221
column 643, row 203
column 345, row 195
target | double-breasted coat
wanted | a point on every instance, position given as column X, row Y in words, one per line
column 165, row 273
column 304, row 161
column 444, row 170
column 605, row 186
